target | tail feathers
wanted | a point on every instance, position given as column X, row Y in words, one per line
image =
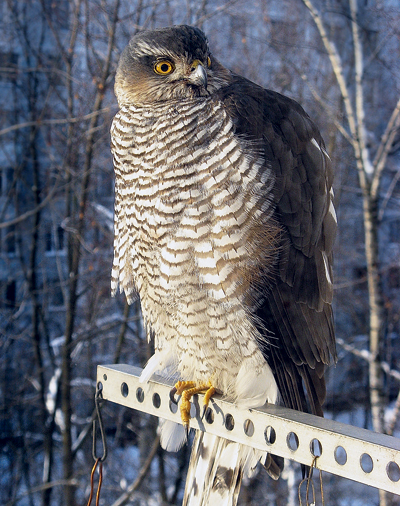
column 273, row 465
column 216, row 469
column 172, row 435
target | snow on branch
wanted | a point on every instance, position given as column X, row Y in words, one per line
column 367, row 356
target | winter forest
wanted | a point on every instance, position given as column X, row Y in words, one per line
column 340, row 59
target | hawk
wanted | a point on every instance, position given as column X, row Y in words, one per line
column 224, row 227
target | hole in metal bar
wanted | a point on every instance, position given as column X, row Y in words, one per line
column 366, row 463
column 156, row 400
column 124, row 389
column 316, row 447
column 105, row 377
column 173, row 407
column 209, row 416
column 340, row 455
column 229, row 422
column 248, row 427
column 292, row 441
column 270, row 435
column 393, row 471
column 140, row 394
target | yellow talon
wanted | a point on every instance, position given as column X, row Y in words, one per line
column 187, row 389
column 207, row 396
column 181, row 386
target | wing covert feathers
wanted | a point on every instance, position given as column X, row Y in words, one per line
column 297, row 307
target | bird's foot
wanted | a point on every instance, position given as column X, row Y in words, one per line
column 187, row 389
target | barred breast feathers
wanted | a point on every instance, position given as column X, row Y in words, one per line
column 193, row 234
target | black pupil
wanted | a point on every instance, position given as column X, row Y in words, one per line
column 164, row 67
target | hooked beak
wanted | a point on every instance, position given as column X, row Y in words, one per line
column 198, row 74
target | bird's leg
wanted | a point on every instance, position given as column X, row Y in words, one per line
column 207, row 396
column 187, row 389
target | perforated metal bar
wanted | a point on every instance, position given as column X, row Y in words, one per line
column 344, row 450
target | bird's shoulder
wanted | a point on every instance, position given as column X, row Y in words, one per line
column 293, row 149
column 258, row 112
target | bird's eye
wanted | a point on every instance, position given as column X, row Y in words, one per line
column 164, row 67
column 208, row 61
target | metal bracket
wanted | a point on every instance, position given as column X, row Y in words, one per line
column 357, row 454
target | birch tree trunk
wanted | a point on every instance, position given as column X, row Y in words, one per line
column 376, row 313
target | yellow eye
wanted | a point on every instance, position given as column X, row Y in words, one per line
column 208, row 62
column 164, row 67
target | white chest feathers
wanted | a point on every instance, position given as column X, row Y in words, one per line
column 193, row 234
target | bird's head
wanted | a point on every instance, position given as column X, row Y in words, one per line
column 167, row 64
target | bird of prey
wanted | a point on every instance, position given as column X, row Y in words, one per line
column 224, row 227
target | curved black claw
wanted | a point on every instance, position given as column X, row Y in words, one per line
column 172, row 393
column 187, row 429
column 204, row 411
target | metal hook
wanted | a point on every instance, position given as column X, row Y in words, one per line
column 309, row 483
column 97, row 399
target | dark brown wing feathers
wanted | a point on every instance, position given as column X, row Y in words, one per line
column 297, row 308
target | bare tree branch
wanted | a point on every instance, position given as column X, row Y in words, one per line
column 385, row 147
column 61, row 121
column 388, row 195
column 33, row 211
column 58, row 483
column 366, row 355
column 140, row 477
column 327, row 109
